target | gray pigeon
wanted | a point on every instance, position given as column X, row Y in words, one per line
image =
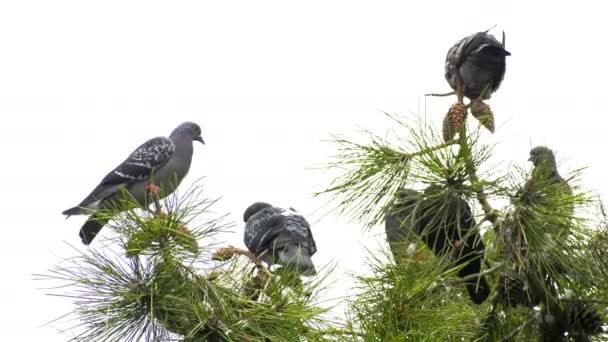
column 545, row 173
column 280, row 236
column 399, row 220
column 545, row 166
column 546, row 179
column 160, row 161
column 481, row 62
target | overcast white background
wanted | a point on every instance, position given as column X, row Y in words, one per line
column 83, row 83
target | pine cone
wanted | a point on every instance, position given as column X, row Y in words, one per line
column 453, row 120
column 224, row 253
column 483, row 113
column 583, row 318
column 511, row 290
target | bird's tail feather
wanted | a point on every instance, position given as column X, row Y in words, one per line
column 295, row 259
column 478, row 289
column 91, row 228
column 77, row 210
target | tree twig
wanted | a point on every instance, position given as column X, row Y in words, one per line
column 474, row 275
column 441, row 94
column 226, row 253
column 481, row 274
column 490, row 213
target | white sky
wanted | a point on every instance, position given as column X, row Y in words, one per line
column 83, row 83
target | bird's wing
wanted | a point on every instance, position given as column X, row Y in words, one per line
column 300, row 232
column 262, row 228
column 139, row 166
column 142, row 163
column 471, row 45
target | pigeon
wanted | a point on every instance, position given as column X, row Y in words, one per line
column 545, row 174
column 441, row 224
column 158, row 164
column 545, row 166
column 398, row 223
column 480, row 60
column 280, row 236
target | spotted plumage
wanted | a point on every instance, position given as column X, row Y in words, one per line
column 280, row 236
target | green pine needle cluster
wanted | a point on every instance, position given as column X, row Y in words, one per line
column 157, row 281
column 412, row 300
column 162, row 278
column 545, row 235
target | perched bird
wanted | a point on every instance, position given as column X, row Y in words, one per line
column 545, row 166
column 398, row 222
column 280, row 236
column 545, row 174
column 480, row 60
column 441, row 223
column 158, row 164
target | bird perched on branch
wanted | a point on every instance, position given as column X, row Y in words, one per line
column 398, row 222
column 280, row 236
column 545, row 167
column 480, row 62
column 155, row 168
column 442, row 223
column 545, row 175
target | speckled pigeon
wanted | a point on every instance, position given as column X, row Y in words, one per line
column 481, row 62
column 441, row 222
column 160, row 162
column 280, row 236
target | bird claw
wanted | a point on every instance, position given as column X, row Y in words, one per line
column 457, row 244
column 153, row 189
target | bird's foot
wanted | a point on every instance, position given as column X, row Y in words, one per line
column 460, row 88
column 457, row 245
column 153, row 189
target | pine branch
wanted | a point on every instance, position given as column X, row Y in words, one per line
column 481, row 274
column 159, row 288
column 227, row 253
column 490, row 213
column 441, row 94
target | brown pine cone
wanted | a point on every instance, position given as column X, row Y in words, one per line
column 482, row 112
column 448, row 132
column 453, row 120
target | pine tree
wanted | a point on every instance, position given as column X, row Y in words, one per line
column 544, row 251
column 544, row 257
column 154, row 282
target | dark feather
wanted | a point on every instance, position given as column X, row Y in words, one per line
column 480, row 60
column 280, row 235
column 439, row 222
column 91, row 228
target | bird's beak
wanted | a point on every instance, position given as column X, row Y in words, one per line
column 200, row 139
column 530, row 159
